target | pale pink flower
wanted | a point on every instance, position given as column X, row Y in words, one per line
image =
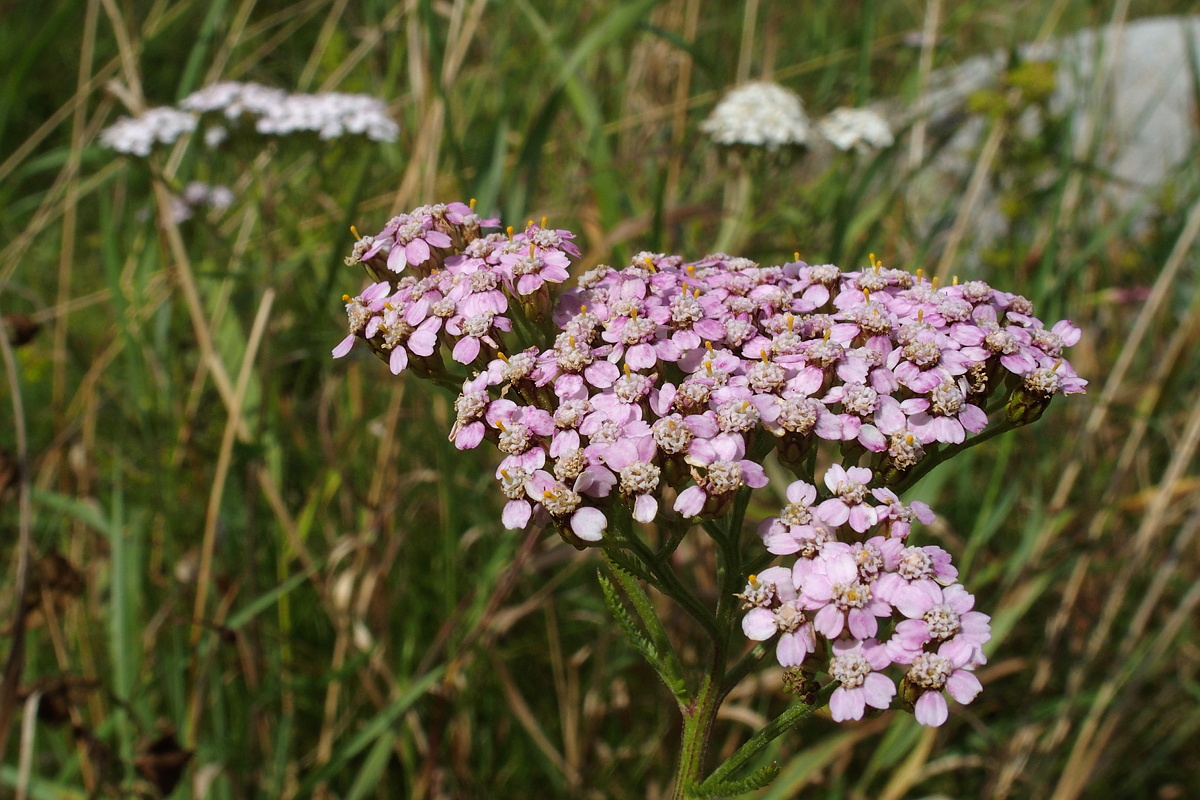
column 943, row 616
column 360, row 310
column 726, row 471
column 929, row 674
column 833, row 589
column 855, row 666
column 850, row 489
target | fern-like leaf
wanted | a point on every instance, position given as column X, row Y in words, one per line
column 756, row 780
column 625, row 622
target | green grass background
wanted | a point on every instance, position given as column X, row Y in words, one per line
column 363, row 625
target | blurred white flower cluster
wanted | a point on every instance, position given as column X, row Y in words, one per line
column 767, row 115
column 198, row 195
column 758, row 114
column 330, row 115
column 136, row 136
column 860, row 129
column 234, row 99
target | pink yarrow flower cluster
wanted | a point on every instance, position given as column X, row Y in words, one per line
column 864, row 607
column 655, row 391
column 661, row 377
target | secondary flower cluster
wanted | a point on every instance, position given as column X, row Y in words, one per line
column 860, row 129
column 767, row 115
column 851, row 593
column 759, row 114
column 275, row 112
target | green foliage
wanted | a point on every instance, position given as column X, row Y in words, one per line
column 757, row 780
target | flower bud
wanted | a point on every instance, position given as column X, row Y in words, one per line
column 1024, row 406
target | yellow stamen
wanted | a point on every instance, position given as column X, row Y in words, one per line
column 708, row 347
column 547, row 494
column 354, row 231
column 543, row 222
column 626, row 370
column 582, row 309
column 825, row 338
column 510, row 232
column 1057, row 364
column 650, row 264
column 955, row 281
column 502, row 357
column 696, row 293
column 691, row 269
column 500, row 425
column 935, row 282
column 708, row 368
column 765, row 355
column 528, row 224
column 790, row 322
column 571, row 340
column 345, row 298
column 920, row 315
column 874, row 263
column 633, row 313
column 684, row 288
column 504, row 474
column 920, row 274
column 867, row 295
column 472, row 204
column 745, row 404
column 796, row 256
column 753, row 581
column 531, row 249
column 908, row 439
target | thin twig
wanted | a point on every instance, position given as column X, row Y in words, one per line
column 224, row 458
column 15, row 663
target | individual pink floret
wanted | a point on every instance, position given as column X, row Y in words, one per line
column 850, row 488
column 833, row 589
column 943, row 616
column 855, row 666
column 930, row 673
column 726, row 471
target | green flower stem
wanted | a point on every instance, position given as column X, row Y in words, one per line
column 927, row 464
column 742, row 668
column 774, row 729
column 698, row 719
column 667, row 582
column 630, row 565
column 630, row 558
column 678, row 531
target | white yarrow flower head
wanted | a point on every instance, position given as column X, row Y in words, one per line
column 137, row 135
column 859, row 128
column 234, row 99
column 330, row 115
column 759, row 114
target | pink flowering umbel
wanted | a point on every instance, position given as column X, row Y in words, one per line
column 639, row 407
